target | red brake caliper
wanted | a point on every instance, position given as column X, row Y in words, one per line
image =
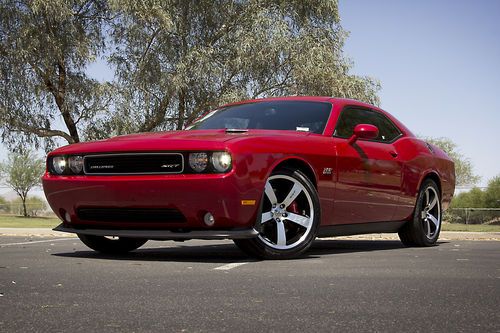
column 294, row 208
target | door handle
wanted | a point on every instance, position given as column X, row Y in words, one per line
column 393, row 153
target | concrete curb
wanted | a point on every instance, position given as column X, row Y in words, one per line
column 445, row 235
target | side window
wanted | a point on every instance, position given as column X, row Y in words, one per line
column 349, row 118
column 387, row 130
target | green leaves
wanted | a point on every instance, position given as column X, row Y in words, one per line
column 464, row 171
column 22, row 172
column 173, row 60
column 202, row 54
column 46, row 46
column 479, row 198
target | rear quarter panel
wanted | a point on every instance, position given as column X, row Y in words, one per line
column 419, row 162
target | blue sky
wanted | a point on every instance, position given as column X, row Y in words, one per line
column 439, row 66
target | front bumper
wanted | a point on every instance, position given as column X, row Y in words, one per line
column 225, row 196
column 163, row 234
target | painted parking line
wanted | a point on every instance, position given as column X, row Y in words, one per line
column 232, row 265
column 35, row 242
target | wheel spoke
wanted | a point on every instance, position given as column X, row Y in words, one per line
column 433, row 220
column 270, row 193
column 299, row 219
column 280, row 228
column 294, row 193
column 427, row 197
column 266, row 217
column 432, row 203
column 290, row 200
column 428, row 228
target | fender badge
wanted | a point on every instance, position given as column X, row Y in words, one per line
column 248, row 202
column 327, row 171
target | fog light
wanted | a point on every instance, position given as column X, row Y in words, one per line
column 67, row 217
column 209, row 219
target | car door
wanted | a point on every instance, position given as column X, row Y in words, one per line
column 368, row 171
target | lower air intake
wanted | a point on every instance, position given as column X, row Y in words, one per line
column 130, row 215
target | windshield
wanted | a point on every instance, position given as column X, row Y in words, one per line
column 273, row 115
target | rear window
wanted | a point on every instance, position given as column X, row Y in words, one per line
column 272, row 115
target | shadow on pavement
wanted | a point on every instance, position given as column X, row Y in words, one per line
column 227, row 253
column 220, row 253
column 324, row 247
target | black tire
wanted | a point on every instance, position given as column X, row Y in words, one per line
column 425, row 226
column 106, row 245
column 292, row 224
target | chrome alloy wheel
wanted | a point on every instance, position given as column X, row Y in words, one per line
column 287, row 213
column 431, row 213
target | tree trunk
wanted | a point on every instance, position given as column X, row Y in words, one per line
column 63, row 108
column 25, row 213
column 182, row 109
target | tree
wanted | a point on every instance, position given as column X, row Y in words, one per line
column 22, row 172
column 4, row 207
column 463, row 166
column 471, row 199
column 177, row 59
column 478, row 198
column 173, row 60
column 34, row 205
column 492, row 193
column 45, row 46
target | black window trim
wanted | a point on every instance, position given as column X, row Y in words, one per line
column 349, row 107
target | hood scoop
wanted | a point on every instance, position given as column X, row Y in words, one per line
column 236, row 130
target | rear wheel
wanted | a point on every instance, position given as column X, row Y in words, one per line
column 289, row 217
column 425, row 226
column 112, row 245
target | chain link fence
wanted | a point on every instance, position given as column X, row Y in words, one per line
column 473, row 215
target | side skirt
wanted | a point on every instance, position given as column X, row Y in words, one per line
column 359, row 228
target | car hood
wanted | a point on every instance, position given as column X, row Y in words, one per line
column 174, row 140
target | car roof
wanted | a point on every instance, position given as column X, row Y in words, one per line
column 327, row 99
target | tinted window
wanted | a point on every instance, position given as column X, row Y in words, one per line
column 274, row 115
column 349, row 118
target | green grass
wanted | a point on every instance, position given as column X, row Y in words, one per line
column 470, row 227
column 12, row 221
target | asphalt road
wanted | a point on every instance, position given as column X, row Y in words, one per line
column 56, row 285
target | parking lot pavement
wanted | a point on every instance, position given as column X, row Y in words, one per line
column 57, row 284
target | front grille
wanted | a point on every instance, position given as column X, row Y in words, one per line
column 140, row 163
column 130, row 215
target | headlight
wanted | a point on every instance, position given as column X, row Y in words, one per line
column 198, row 161
column 76, row 164
column 59, row 164
column 221, row 161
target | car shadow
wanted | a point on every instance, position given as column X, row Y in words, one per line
column 229, row 253
column 218, row 253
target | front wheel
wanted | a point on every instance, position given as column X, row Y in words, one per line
column 289, row 217
column 424, row 228
column 116, row 245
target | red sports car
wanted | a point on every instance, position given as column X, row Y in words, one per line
column 271, row 174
